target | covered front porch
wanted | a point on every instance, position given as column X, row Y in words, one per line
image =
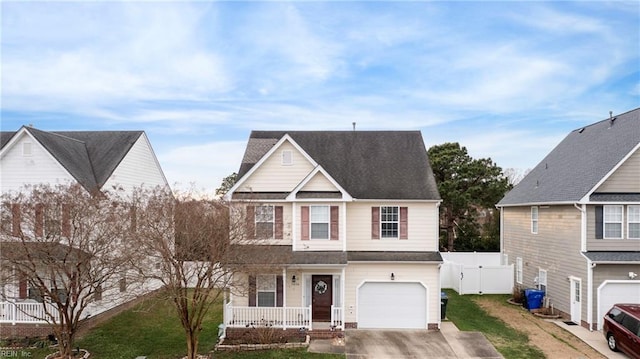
column 298, row 297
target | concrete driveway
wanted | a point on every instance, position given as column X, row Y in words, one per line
column 382, row 344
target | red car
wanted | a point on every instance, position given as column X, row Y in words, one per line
column 622, row 329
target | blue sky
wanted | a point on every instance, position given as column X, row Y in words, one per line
column 508, row 80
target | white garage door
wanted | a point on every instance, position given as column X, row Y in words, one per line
column 392, row 305
column 616, row 292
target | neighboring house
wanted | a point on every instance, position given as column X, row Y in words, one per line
column 96, row 160
column 348, row 223
column 572, row 225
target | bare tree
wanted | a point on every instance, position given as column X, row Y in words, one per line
column 193, row 246
column 66, row 248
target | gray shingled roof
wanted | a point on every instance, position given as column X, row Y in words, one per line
column 89, row 156
column 613, row 256
column 579, row 162
column 367, row 164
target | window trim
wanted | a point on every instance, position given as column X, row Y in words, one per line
column 605, row 222
column 535, row 219
column 312, row 222
column 274, row 291
column 540, row 276
column 273, row 220
column 519, row 270
column 629, row 222
column 397, row 222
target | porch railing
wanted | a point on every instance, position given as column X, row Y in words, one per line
column 279, row 317
column 26, row 312
column 336, row 317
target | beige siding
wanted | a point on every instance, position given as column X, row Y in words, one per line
column 318, row 244
column 604, row 272
column 556, row 248
column 319, row 183
column 626, row 178
column 358, row 273
column 422, row 225
column 273, row 176
column 594, row 244
column 17, row 171
column 138, row 168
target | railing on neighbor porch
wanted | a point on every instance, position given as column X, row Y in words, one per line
column 25, row 312
column 280, row 317
column 336, row 317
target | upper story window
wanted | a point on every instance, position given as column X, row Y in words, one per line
column 287, row 157
column 612, row 216
column 534, row 219
column 264, row 221
column 389, row 221
column 633, row 222
column 319, row 221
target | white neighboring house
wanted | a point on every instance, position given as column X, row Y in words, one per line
column 349, row 223
column 96, row 160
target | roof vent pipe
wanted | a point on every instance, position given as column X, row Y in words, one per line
column 354, row 125
column 611, row 118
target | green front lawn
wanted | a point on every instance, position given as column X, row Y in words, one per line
column 468, row 316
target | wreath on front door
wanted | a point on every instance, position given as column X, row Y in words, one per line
column 321, row 287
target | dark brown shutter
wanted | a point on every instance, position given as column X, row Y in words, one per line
column 15, row 219
column 404, row 223
column 279, row 291
column 304, row 223
column 39, row 222
column 22, row 289
column 599, row 222
column 252, row 291
column 251, row 222
column 335, row 223
column 66, row 220
column 375, row 222
column 279, row 222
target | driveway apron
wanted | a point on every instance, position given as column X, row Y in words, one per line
column 383, row 344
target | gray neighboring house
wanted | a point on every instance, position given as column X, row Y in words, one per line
column 572, row 225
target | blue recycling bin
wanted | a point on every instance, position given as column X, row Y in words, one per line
column 533, row 298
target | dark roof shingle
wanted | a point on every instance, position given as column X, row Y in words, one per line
column 579, row 162
column 367, row 164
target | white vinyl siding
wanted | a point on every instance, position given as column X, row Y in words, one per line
column 138, row 167
column 613, row 222
column 633, row 222
column 519, row 270
column 534, row 220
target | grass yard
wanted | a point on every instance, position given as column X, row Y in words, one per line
column 468, row 316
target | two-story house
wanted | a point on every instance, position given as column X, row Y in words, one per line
column 349, row 229
column 572, row 225
column 96, row 160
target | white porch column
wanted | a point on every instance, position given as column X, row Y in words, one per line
column 342, row 293
column 284, row 298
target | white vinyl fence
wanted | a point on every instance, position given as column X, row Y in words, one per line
column 476, row 273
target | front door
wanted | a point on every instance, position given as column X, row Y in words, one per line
column 576, row 298
column 321, row 297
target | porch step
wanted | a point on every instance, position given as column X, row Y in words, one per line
column 325, row 334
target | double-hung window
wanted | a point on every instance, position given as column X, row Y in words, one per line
column 613, row 221
column 633, row 222
column 389, row 221
column 264, row 221
column 266, row 290
column 519, row 270
column 534, row 219
column 319, row 222
column 542, row 279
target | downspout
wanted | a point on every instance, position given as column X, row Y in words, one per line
column 590, row 263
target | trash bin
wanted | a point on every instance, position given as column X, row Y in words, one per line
column 533, row 298
column 443, row 305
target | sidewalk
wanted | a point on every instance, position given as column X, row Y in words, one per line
column 595, row 339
